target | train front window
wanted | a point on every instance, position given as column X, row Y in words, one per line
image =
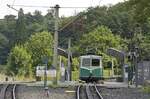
column 95, row 62
column 86, row 62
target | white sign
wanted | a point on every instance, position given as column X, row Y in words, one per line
column 40, row 71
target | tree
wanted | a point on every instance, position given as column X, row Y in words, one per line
column 20, row 28
column 36, row 23
column 38, row 18
column 141, row 8
column 9, row 25
column 101, row 39
column 50, row 20
column 3, row 48
column 23, row 58
column 20, row 62
column 120, row 20
column 7, row 28
column 145, row 48
column 40, row 46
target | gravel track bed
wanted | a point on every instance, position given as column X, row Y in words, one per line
column 123, row 93
column 8, row 94
column 94, row 93
column 34, row 92
column 82, row 92
column 31, row 92
column 1, row 86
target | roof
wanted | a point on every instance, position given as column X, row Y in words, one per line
column 90, row 56
column 116, row 53
column 62, row 52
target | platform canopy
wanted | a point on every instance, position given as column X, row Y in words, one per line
column 116, row 53
column 64, row 53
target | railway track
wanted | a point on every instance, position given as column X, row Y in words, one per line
column 8, row 91
column 88, row 92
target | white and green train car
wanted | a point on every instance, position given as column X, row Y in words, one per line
column 91, row 68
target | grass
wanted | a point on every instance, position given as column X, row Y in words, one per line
column 22, row 78
column 146, row 89
column 2, row 77
column 107, row 73
column 54, row 86
column 75, row 75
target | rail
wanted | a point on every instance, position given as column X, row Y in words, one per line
column 11, row 88
column 88, row 92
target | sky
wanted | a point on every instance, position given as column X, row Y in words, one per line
column 4, row 10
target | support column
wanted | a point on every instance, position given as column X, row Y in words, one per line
column 55, row 57
column 69, row 60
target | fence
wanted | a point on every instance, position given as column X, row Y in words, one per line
column 143, row 71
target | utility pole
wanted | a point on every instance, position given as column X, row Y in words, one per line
column 55, row 57
column 12, row 8
column 69, row 60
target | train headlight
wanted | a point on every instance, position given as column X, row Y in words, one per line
column 90, row 71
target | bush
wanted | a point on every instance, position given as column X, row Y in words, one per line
column 146, row 89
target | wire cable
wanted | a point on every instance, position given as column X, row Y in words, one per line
column 12, row 7
column 71, row 21
column 31, row 6
column 48, row 6
column 62, row 28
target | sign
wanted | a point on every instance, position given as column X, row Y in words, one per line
column 40, row 70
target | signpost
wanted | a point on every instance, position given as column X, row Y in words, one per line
column 45, row 61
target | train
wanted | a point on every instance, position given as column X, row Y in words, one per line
column 91, row 69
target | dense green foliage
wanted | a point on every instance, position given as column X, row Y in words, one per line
column 3, row 46
column 141, row 8
column 18, row 30
column 23, row 59
column 20, row 33
column 23, row 44
column 19, row 62
column 101, row 39
column 39, row 46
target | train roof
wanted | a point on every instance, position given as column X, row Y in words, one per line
column 89, row 56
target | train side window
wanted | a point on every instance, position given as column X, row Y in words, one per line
column 86, row 62
column 95, row 62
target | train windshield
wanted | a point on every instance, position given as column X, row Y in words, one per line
column 95, row 62
column 86, row 62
